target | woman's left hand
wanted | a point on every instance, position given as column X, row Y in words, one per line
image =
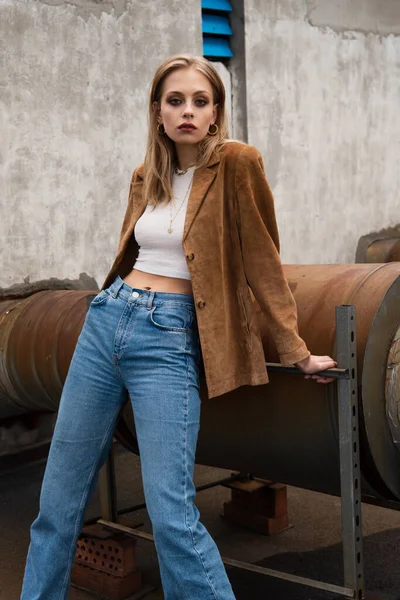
column 313, row 364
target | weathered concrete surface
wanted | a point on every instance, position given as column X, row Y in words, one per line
column 85, row 8
column 237, row 68
column 369, row 16
column 73, row 120
column 225, row 75
column 379, row 16
column 323, row 108
column 319, row 81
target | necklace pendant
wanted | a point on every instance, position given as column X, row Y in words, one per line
column 169, row 229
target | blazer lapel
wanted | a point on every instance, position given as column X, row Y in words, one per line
column 138, row 203
column 202, row 181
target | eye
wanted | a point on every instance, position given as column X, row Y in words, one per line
column 174, row 101
column 201, row 102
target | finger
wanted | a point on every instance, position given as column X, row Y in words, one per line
column 324, row 366
column 326, row 358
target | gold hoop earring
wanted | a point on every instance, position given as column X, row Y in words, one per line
column 215, row 131
column 159, row 130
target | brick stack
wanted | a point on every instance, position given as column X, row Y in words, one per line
column 258, row 504
column 105, row 563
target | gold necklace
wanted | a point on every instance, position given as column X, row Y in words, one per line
column 180, row 172
column 170, row 230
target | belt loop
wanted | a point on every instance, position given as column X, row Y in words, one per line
column 150, row 300
column 119, row 286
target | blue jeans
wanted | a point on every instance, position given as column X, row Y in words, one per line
column 147, row 343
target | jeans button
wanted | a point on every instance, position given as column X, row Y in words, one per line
column 135, row 294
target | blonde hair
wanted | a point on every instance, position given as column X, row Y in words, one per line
column 160, row 157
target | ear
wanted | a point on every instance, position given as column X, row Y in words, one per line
column 157, row 109
column 215, row 114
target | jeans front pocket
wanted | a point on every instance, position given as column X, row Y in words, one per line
column 101, row 297
column 176, row 318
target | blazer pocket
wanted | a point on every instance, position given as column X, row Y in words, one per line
column 244, row 311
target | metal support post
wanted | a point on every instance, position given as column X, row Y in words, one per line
column 350, row 474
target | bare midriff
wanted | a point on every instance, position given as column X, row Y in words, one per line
column 158, row 283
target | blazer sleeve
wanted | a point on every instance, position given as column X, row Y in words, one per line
column 259, row 239
column 129, row 209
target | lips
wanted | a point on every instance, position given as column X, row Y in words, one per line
column 187, row 127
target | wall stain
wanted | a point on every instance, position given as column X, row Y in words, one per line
column 87, row 8
column 318, row 14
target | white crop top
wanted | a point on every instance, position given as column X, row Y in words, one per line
column 161, row 252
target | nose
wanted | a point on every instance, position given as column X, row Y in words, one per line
column 188, row 110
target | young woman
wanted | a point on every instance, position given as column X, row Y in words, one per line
column 202, row 215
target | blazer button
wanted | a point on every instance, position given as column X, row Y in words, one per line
column 201, row 303
column 190, row 256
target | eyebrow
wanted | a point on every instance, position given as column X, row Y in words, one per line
column 199, row 92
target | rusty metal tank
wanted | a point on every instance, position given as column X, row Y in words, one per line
column 380, row 246
column 38, row 335
column 287, row 430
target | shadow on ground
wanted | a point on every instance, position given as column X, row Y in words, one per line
column 382, row 575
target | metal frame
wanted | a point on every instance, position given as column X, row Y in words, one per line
column 350, row 474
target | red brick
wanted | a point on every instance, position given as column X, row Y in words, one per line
column 107, row 551
column 253, row 520
column 107, row 585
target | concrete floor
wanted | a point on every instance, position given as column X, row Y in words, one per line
column 311, row 547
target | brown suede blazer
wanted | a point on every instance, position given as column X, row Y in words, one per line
column 231, row 243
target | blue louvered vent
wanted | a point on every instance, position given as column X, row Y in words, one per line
column 216, row 28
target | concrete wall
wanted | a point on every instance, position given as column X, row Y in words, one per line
column 315, row 86
column 74, row 78
column 323, row 99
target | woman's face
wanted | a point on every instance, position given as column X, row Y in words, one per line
column 186, row 109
